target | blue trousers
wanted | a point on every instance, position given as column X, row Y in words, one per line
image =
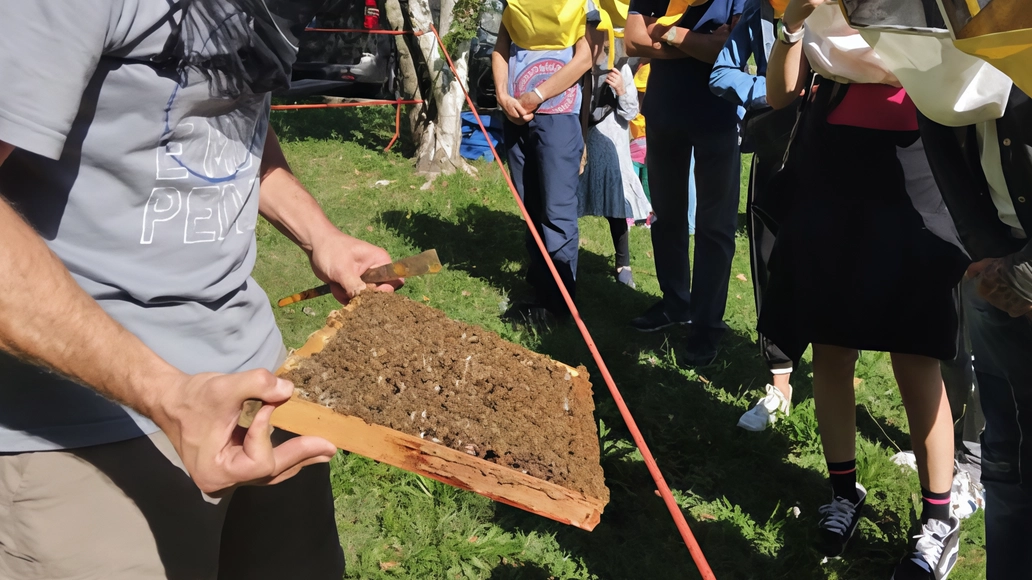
column 700, row 295
column 544, row 161
column 1002, row 347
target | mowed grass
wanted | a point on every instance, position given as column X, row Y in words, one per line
column 751, row 498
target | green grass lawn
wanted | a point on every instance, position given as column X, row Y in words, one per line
column 750, row 498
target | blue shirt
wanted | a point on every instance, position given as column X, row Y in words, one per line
column 678, row 94
column 753, row 36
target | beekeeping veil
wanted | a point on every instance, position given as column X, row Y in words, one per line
column 948, row 85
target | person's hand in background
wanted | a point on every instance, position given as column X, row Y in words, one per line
column 997, row 287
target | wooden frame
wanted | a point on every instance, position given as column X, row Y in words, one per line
column 430, row 459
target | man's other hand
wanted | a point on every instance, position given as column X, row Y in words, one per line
column 199, row 415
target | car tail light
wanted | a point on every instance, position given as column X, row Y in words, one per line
column 372, row 15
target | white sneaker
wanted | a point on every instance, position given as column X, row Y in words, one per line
column 935, row 552
column 766, row 411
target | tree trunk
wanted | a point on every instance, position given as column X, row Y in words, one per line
column 440, row 133
column 408, row 69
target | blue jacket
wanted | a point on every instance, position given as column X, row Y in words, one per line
column 754, row 36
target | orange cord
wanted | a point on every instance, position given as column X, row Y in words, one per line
column 363, row 31
column 650, row 462
column 336, row 105
column 397, row 112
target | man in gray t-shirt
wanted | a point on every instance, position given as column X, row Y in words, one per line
column 131, row 179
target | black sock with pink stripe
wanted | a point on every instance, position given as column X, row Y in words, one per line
column 935, row 506
column 843, row 479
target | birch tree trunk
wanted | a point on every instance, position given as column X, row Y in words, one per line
column 408, row 67
column 437, row 128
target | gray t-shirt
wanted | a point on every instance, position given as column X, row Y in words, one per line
column 146, row 190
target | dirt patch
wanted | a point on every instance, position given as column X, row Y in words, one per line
column 407, row 366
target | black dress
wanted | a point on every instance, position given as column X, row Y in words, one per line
column 866, row 255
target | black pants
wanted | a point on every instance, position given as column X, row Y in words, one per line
column 620, row 231
column 699, row 295
column 1003, row 367
column 961, row 388
column 761, row 242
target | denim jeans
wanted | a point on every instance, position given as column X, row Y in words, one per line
column 1002, row 347
column 700, row 295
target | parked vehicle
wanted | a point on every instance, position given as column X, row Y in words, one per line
column 345, row 64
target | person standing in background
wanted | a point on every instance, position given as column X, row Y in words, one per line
column 537, row 71
column 866, row 257
column 684, row 118
column 609, row 186
column 766, row 134
column 995, row 157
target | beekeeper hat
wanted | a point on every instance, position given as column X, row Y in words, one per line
column 997, row 31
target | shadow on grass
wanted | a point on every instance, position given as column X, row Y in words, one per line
column 879, row 430
column 520, row 572
column 371, row 127
column 738, row 486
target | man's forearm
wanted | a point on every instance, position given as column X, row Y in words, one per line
column 286, row 203
column 69, row 333
column 639, row 42
column 704, row 47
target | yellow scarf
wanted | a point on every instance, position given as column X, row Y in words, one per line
column 641, row 78
column 675, row 11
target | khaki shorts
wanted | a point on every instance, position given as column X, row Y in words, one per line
column 128, row 510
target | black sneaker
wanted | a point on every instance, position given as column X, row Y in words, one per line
column 655, row 318
column 700, row 349
column 531, row 315
column 934, row 554
column 838, row 522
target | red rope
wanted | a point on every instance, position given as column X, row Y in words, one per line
column 370, row 103
column 365, row 31
column 650, row 462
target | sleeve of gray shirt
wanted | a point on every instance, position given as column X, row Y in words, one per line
column 49, row 50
